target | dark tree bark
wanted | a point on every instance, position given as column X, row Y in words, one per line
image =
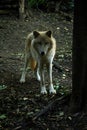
column 79, row 76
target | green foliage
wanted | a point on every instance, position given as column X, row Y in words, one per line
column 2, row 117
column 35, row 3
column 2, row 87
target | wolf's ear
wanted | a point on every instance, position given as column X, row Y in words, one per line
column 48, row 33
column 36, row 34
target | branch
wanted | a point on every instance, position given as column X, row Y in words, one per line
column 57, row 101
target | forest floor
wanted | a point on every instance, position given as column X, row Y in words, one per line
column 21, row 105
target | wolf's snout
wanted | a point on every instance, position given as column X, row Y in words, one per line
column 42, row 53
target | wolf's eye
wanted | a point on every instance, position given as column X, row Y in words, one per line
column 46, row 43
column 39, row 43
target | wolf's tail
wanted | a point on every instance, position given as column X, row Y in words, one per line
column 33, row 63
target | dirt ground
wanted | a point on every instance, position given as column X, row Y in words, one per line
column 21, row 103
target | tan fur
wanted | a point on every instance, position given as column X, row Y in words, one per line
column 40, row 50
column 33, row 64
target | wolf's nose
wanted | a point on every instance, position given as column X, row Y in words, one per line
column 42, row 53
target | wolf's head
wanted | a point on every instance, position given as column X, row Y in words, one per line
column 42, row 42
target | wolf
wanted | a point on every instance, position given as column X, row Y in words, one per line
column 40, row 50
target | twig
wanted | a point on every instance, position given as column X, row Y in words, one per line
column 50, row 105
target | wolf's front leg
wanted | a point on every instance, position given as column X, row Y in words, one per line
column 51, row 88
column 37, row 73
column 22, row 79
column 42, row 82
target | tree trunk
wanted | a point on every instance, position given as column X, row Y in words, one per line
column 21, row 8
column 79, row 76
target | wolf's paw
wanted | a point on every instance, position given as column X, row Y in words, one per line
column 52, row 90
column 43, row 90
column 22, row 80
